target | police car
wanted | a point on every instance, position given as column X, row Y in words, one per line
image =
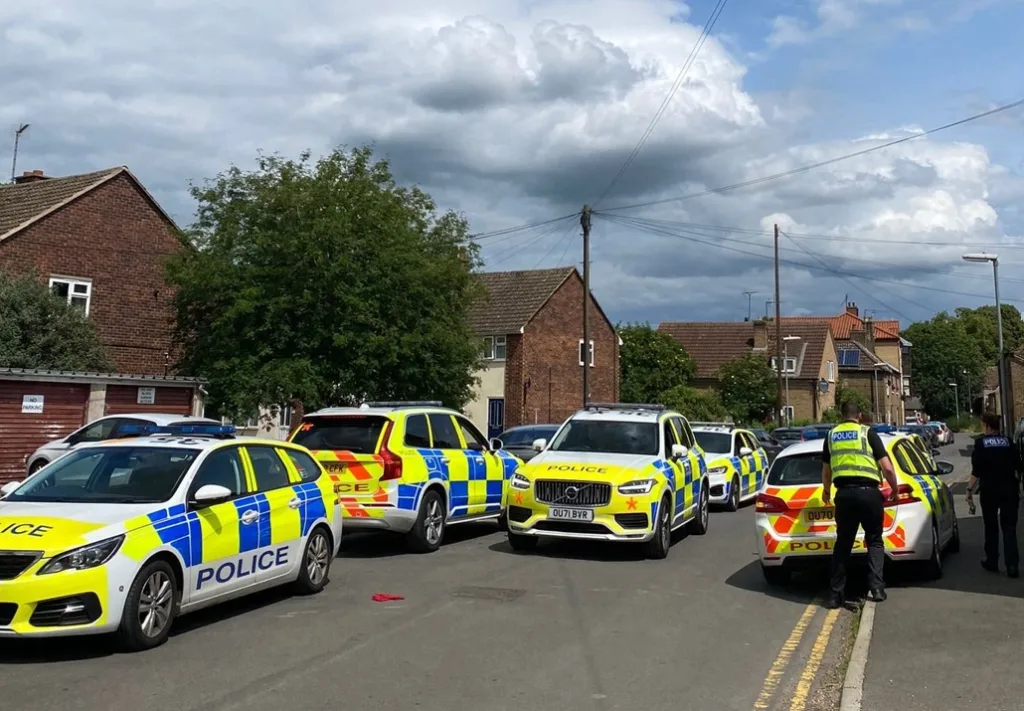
column 616, row 472
column 795, row 529
column 737, row 464
column 124, row 535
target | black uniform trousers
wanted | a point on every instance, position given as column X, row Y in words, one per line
column 858, row 507
column 1000, row 504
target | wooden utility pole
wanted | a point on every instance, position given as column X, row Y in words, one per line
column 585, row 224
column 779, row 360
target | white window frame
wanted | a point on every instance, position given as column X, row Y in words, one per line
column 788, row 413
column 495, row 348
column 790, row 365
column 579, row 352
column 72, row 282
column 831, row 371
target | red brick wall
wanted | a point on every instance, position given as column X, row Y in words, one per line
column 551, row 360
column 514, row 356
column 116, row 238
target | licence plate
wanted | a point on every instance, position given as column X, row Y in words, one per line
column 571, row 514
column 820, row 515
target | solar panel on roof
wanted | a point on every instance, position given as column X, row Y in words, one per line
column 849, row 357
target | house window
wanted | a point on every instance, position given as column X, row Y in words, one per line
column 787, row 413
column 831, row 371
column 77, row 292
column 580, row 353
column 906, row 387
column 790, row 365
column 495, row 347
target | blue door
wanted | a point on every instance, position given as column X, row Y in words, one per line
column 495, row 416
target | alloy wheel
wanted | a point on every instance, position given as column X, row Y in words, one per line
column 318, row 558
column 156, row 602
column 434, row 522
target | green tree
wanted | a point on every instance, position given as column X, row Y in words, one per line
column 651, row 362
column 845, row 394
column 981, row 325
column 40, row 330
column 697, row 405
column 942, row 351
column 748, row 388
column 325, row 282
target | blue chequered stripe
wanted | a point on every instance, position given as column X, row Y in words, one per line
column 182, row 531
column 312, row 508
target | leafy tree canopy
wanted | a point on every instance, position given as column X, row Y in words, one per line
column 651, row 363
column 944, row 351
column 40, row 330
column 981, row 325
column 748, row 388
column 697, row 405
column 327, row 282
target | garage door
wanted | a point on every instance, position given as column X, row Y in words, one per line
column 32, row 414
column 124, row 399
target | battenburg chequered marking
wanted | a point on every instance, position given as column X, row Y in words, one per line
column 182, row 531
column 252, row 536
column 311, row 509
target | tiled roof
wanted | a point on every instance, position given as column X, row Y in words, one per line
column 844, row 323
column 867, row 359
column 512, row 298
column 24, row 202
column 813, row 337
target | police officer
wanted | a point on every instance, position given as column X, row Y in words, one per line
column 854, row 459
column 995, row 463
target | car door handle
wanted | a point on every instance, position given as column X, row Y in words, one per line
column 250, row 516
column 295, row 503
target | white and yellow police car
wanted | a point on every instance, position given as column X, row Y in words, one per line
column 795, row 529
column 617, row 472
column 124, row 535
column 737, row 464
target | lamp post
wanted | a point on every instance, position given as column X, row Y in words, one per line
column 785, row 371
column 981, row 257
column 956, row 399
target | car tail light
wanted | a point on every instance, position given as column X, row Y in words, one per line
column 766, row 503
column 904, row 495
column 392, row 462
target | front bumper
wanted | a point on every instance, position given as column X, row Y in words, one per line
column 62, row 604
column 720, row 487
column 625, row 519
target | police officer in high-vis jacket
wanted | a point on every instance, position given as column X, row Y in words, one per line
column 854, row 459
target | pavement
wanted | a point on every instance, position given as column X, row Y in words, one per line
column 571, row 627
column 955, row 643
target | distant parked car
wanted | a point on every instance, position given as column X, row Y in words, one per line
column 769, row 444
column 109, row 427
column 788, row 435
column 519, row 440
column 818, row 431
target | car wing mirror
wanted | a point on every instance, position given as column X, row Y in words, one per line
column 539, row 444
column 9, row 488
column 945, row 467
column 744, row 451
column 210, row 494
column 679, row 451
column 497, row 444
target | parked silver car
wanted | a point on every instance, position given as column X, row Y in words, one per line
column 109, row 427
column 519, row 440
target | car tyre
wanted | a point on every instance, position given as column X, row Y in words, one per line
column 150, row 607
column 734, row 495
column 658, row 547
column 934, row 564
column 521, row 543
column 954, row 542
column 427, row 533
column 699, row 524
column 775, row 575
column 36, row 466
column 315, row 569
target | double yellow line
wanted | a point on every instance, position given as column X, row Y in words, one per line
column 789, row 647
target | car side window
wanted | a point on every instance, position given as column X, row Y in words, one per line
column 445, row 436
column 97, row 431
column 903, row 459
column 670, row 436
column 416, row 432
column 919, row 461
column 222, row 467
column 307, row 467
column 470, row 433
column 751, row 441
column 270, row 471
column 685, row 432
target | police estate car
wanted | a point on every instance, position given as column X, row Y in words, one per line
column 618, row 472
column 737, row 464
column 124, row 535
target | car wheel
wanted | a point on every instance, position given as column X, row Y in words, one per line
column 36, row 466
column 150, row 607
column 658, row 547
column 314, row 572
column 521, row 543
column 775, row 575
column 734, row 495
column 934, row 564
column 699, row 525
column 427, row 533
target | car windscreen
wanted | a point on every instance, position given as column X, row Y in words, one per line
column 346, row 433
column 610, row 436
column 714, row 442
column 109, row 475
column 796, row 470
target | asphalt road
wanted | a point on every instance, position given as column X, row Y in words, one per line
column 569, row 627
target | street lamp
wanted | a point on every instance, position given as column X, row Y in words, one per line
column 981, row 257
column 785, row 371
column 956, row 399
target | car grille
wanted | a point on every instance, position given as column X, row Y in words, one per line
column 573, row 493
column 14, row 564
column 631, row 520
column 7, row 610
column 67, row 611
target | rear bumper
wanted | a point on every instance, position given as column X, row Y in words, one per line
column 907, row 540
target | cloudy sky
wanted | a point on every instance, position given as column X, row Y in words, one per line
column 519, row 111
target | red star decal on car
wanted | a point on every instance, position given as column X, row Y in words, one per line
column 631, row 504
column 519, row 497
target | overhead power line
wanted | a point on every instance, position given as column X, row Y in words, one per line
column 519, row 228
column 505, row 254
column 708, row 26
column 819, row 164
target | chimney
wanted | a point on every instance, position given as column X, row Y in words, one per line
column 760, row 334
column 869, row 333
column 851, row 308
column 31, row 176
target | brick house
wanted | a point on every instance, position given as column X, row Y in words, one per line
column 100, row 240
column 809, row 357
column 531, row 326
column 878, row 382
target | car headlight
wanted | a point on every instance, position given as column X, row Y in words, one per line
column 717, row 471
column 641, row 486
column 90, row 556
column 518, row 481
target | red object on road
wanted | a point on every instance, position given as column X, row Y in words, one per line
column 385, row 597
